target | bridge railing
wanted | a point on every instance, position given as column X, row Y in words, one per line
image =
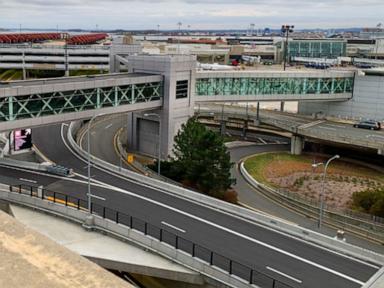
column 234, row 268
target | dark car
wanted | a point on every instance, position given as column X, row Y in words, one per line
column 372, row 125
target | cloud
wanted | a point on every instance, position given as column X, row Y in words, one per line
column 203, row 14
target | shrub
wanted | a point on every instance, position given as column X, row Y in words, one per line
column 230, row 196
column 370, row 201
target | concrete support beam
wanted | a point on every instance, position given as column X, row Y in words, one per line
column 297, row 144
column 178, row 101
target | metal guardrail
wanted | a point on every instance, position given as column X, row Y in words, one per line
column 370, row 230
column 260, row 219
column 201, row 252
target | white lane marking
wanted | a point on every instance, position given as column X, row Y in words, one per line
column 173, row 227
column 96, row 182
column 337, row 126
column 283, row 274
column 262, row 140
column 230, row 231
column 327, row 128
column 28, row 180
column 108, row 126
column 374, row 136
column 213, row 224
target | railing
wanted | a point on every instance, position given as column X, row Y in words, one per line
column 205, row 254
column 296, row 231
column 363, row 224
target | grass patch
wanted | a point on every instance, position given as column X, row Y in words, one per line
column 282, row 164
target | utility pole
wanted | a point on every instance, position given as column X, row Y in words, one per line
column 24, row 71
column 66, row 69
column 178, row 38
column 286, row 29
column 252, row 28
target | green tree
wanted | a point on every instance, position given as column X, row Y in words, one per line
column 370, row 201
column 202, row 159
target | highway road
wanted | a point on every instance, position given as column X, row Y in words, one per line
column 103, row 132
column 319, row 129
column 285, row 258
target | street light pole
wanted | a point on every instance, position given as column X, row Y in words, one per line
column 178, row 41
column 66, row 36
column 159, row 144
column 89, row 161
column 323, row 187
column 286, row 29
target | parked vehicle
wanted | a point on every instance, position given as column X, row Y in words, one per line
column 372, row 125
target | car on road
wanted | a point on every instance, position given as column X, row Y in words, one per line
column 372, row 125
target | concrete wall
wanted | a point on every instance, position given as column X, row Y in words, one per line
column 174, row 112
column 367, row 101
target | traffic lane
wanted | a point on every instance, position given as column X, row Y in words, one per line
column 223, row 244
column 349, row 130
column 241, row 152
column 14, row 176
column 221, row 218
column 102, row 139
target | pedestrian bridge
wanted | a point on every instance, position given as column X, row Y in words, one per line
column 213, row 86
column 39, row 102
column 46, row 101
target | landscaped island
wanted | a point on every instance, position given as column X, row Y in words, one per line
column 348, row 185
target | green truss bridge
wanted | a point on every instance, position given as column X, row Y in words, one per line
column 46, row 101
column 230, row 86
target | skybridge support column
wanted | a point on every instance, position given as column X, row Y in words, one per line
column 123, row 50
column 297, row 144
column 178, row 102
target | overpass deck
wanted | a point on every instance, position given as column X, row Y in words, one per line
column 337, row 132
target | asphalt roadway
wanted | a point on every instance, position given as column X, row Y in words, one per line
column 318, row 129
column 103, row 148
column 283, row 257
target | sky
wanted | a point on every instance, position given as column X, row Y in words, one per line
column 193, row 14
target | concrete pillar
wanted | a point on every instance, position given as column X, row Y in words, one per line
column 40, row 191
column 282, row 105
column 223, row 127
column 175, row 111
column 245, row 128
column 123, row 50
column 297, row 143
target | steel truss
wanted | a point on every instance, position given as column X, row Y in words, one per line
column 271, row 86
column 38, row 105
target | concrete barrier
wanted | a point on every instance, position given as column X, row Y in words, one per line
column 125, row 233
column 376, row 281
column 318, row 238
column 294, row 230
column 358, row 226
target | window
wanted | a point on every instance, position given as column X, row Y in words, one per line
column 181, row 89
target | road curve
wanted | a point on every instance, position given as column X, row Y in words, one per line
column 248, row 243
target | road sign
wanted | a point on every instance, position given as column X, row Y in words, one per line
column 130, row 158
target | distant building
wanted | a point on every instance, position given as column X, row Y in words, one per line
column 317, row 48
column 372, row 33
